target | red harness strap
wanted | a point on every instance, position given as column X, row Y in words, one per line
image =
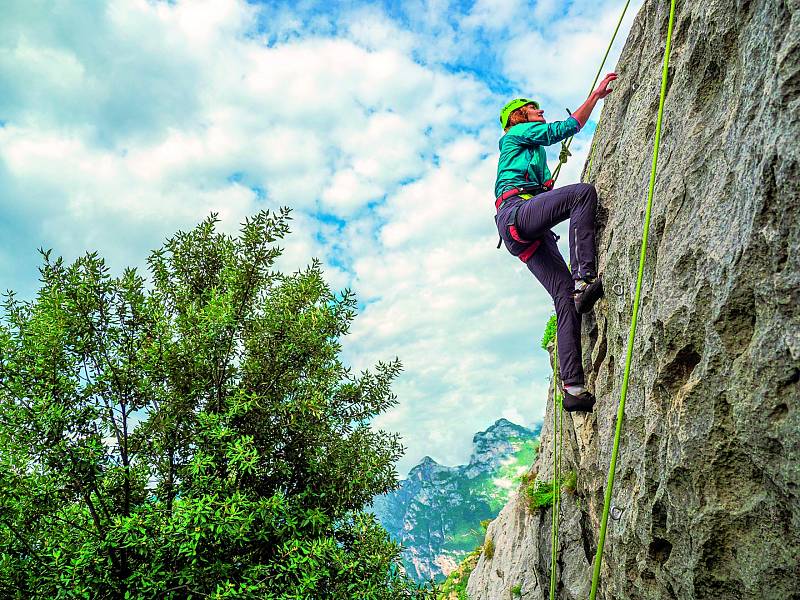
column 528, row 252
column 525, row 255
column 505, row 196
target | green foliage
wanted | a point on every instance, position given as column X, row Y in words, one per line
column 488, row 548
column 549, row 332
column 516, row 591
column 192, row 437
column 539, row 494
column 455, row 586
column 527, row 478
column 485, row 524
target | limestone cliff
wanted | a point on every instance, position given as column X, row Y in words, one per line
column 709, row 472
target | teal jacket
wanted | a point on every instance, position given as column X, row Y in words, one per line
column 522, row 155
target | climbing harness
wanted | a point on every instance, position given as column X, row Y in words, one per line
column 526, row 191
column 565, row 146
column 624, row 391
column 558, row 434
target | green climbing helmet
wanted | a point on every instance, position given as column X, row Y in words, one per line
column 512, row 106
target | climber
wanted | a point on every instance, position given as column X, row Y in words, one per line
column 527, row 207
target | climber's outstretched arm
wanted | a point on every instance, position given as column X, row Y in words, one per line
column 584, row 111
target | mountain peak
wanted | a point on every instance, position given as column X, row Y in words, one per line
column 426, row 468
column 505, row 424
column 436, row 509
column 500, row 431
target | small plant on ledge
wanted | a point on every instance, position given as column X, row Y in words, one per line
column 488, row 548
column 539, row 494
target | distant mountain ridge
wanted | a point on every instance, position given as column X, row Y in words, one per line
column 437, row 510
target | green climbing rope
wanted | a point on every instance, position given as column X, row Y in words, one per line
column 591, row 155
column 623, row 393
column 565, row 146
column 558, row 433
column 558, row 441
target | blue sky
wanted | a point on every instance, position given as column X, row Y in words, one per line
column 123, row 121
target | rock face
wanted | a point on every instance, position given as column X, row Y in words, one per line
column 708, row 475
column 437, row 511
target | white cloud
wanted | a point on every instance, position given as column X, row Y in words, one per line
column 496, row 15
column 545, row 9
column 558, row 63
column 129, row 119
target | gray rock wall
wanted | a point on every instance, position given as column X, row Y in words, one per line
column 708, row 475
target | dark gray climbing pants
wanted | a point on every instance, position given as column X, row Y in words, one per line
column 576, row 202
column 534, row 218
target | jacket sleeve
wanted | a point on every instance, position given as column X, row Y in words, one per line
column 546, row 134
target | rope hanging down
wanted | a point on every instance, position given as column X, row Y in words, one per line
column 558, row 434
column 623, row 393
column 591, row 154
column 565, row 153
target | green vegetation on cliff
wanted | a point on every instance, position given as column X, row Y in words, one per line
column 455, row 586
column 549, row 332
column 539, row 494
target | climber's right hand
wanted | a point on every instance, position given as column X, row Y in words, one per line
column 603, row 90
column 584, row 111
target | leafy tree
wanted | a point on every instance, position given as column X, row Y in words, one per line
column 192, row 436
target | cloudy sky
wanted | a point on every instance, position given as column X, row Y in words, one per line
column 123, row 121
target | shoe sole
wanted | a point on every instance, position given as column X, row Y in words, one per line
column 589, row 297
column 578, row 406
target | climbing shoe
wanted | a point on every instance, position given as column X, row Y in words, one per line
column 589, row 293
column 581, row 403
